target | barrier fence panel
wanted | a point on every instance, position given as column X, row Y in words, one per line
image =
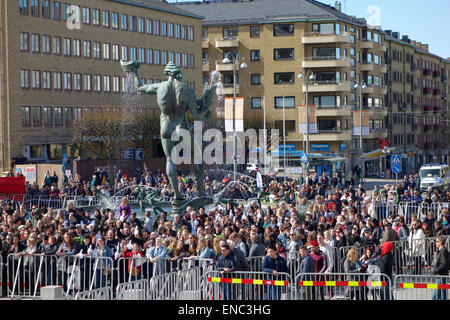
column 96, row 294
column 241, row 285
column 164, row 287
column 421, row 287
column 134, row 290
column 187, row 263
column 342, row 286
column 190, row 282
column 292, row 261
column 132, row 269
column 255, row 263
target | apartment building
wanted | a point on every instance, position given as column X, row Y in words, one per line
column 417, row 102
column 280, row 39
column 60, row 61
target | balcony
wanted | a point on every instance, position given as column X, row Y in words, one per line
column 220, row 66
column 331, row 135
column 383, row 68
column 436, row 92
column 427, row 108
column 205, row 66
column 227, row 89
column 326, row 62
column 205, row 44
column 382, row 48
column 316, row 37
column 229, row 42
column 436, row 74
column 333, row 111
column 368, row 89
column 426, row 72
column 382, row 90
column 328, row 86
column 366, row 44
column 427, row 127
column 427, row 90
column 365, row 66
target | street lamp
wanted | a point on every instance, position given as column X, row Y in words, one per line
column 361, row 162
column 229, row 58
column 309, row 76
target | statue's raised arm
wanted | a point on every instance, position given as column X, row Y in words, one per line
column 132, row 67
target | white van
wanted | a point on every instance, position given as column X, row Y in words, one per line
column 435, row 176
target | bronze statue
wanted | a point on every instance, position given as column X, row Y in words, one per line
column 175, row 99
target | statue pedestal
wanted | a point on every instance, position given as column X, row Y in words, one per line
column 176, row 205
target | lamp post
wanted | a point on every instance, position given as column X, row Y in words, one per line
column 309, row 76
column 361, row 162
column 234, row 60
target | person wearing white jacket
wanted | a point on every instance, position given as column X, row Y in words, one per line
column 329, row 254
column 416, row 245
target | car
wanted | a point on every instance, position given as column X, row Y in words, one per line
column 436, row 176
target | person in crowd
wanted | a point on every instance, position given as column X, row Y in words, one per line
column 441, row 268
column 273, row 263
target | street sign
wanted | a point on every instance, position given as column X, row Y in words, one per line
column 304, row 157
column 396, row 168
column 395, row 159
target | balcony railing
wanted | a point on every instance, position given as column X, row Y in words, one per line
column 436, row 92
column 318, row 37
column 427, row 90
column 426, row 72
column 227, row 42
column 325, row 61
column 436, row 74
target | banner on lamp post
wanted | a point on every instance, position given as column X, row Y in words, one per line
column 312, row 119
column 239, row 114
column 365, row 123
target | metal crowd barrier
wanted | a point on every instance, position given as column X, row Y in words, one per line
column 134, row 290
column 342, row 286
column 190, row 282
column 96, row 294
column 163, row 287
column 241, row 285
column 187, row 263
column 421, row 287
column 255, row 263
column 131, row 269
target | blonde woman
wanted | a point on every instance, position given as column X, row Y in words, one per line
column 352, row 265
column 124, row 209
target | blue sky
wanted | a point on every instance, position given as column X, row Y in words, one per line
column 426, row 21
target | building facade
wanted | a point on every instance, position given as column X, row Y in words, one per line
column 60, row 61
column 280, row 39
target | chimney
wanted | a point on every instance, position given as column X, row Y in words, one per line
column 337, row 6
column 413, row 43
column 425, row 47
column 396, row 35
column 388, row 32
column 405, row 38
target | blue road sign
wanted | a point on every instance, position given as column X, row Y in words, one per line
column 395, row 159
column 396, row 168
column 304, row 157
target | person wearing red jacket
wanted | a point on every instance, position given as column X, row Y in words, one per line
column 134, row 263
column 321, row 264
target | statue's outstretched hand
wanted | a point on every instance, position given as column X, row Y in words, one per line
column 205, row 103
column 130, row 66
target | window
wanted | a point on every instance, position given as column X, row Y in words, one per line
column 283, row 54
column 254, row 55
column 67, row 81
column 35, row 79
column 156, row 27
column 35, row 43
column 86, row 16
column 142, row 55
column 164, row 29
column 284, row 78
column 123, row 22
column 326, row 28
column 76, row 114
column 254, row 32
column 77, row 81
column 352, row 39
column 48, row 116
column 124, row 53
column 23, row 7
column 67, row 47
column 184, row 60
column 191, row 33
column 95, row 17
column 68, row 116
column 57, row 80
column 329, row 125
column 327, row 101
column 34, row 8
column 97, row 83
column 105, row 19
column 115, row 20
column 96, row 50
column 46, row 9
column 230, row 33
column 183, row 32
column 289, row 125
column 23, row 42
column 76, row 48
column 133, row 53
column 255, row 78
column 26, row 121
column 170, row 31
column 150, row 56
column 116, row 84
column 256, row 103
column 289, row 102
column 132, row 20
column 115, row 52
column 86, row 49
column 37, row 114
column 106, row 55
column 56, row 45
column 172, row 56
column 87, row 82
column 141, row 25
column 57, row 112
column 24, row 78
column 177, row 31
column 191, row 59
column 56, row 10
column 47, row 80
column 280, row 30
column 326, row 52
column 156, row 57
column 177, row 59
column 149, row 26
column 106, row 83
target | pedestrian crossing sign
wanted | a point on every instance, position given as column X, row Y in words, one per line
column 304, row 157
column 395, row 159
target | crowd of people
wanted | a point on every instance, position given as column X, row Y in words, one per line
column 337, row 215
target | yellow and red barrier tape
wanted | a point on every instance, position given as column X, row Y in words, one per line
column 404, row 285
column 342, row 283
column 249, row 281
